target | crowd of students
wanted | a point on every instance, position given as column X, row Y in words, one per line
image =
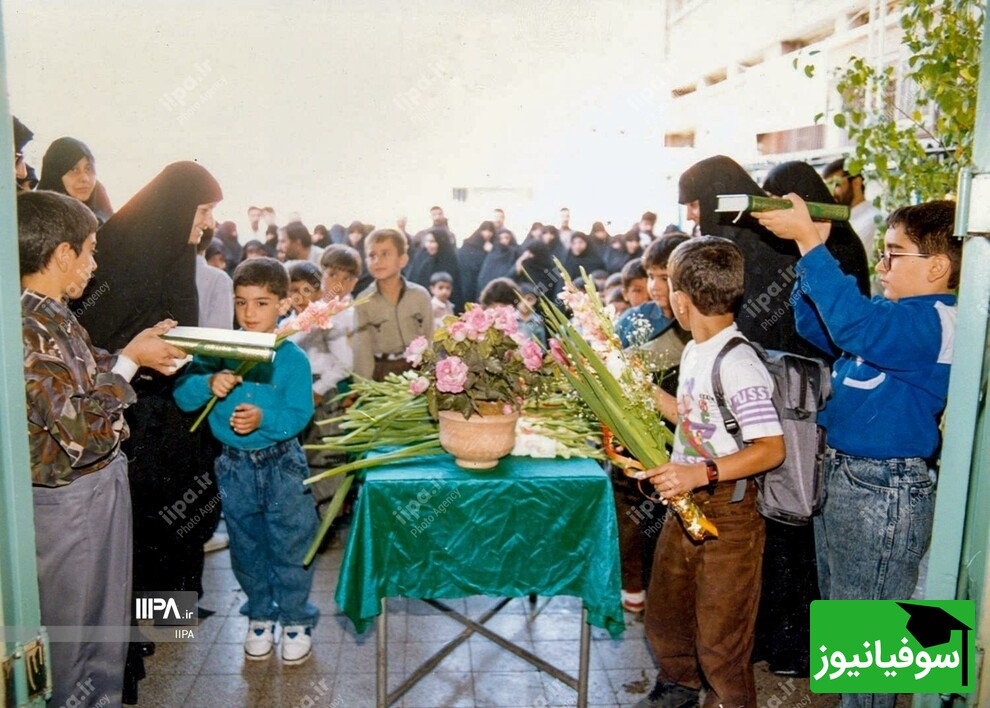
column 776, row 278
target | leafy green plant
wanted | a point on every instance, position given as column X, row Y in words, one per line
column 915, row 144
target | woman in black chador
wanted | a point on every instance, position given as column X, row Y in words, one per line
column 501, row 260
column 842, row 242
column 70, row 168
column 146, row 273
column 437, row 254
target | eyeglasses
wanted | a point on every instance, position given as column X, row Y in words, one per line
column 886, row 256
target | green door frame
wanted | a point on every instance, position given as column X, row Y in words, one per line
column 961, row 536
column 18, row 575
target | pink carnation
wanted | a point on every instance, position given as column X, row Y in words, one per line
column 414, row 352
column 451, row 375
column 504, row 319
column 317, row 315
column 419, row 385
column 532, row 355
column 458, row 331
column 478, row 321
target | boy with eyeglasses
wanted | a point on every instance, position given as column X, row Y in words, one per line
column 889, row 389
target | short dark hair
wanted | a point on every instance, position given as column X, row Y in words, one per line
column 931, row 226
column 263, row 272
column 391, row 235
column 306, row 272
column 500, row 291
column 297, row 231
column 633, row 270
column 649, row 216
column 441, row 276
column 45, row 220
column 658, row 252
column 709, row 270
column 839, row 166
column 340, row 257
column 436, row 208
column 834, row 167
column 613, row 280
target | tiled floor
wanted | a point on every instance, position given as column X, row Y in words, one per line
column 211, row 671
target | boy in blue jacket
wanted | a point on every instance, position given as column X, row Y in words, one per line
column 270, row 514
column 889, row 388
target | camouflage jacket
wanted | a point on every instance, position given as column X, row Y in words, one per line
column 75, row 404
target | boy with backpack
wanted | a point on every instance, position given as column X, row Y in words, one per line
column 700, row 616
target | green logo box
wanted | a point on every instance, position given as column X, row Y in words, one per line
column 889, row 646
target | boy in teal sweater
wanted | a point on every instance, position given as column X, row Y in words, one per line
column 270, row 514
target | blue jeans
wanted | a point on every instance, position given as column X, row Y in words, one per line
column 271, row 520
column 874, row 527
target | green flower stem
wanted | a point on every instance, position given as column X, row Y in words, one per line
column 336, row 504
column 431, row 447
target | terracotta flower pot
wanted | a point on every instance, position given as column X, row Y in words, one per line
column 478, row 442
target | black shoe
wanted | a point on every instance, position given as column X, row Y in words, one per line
column 147, row 648
column 670, row 695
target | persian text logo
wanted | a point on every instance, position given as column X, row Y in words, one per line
column 888, row 646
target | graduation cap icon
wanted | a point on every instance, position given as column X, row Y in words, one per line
column 931, row 626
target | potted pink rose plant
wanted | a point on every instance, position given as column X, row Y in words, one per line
column 475, row 374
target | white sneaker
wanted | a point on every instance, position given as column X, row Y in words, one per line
column 297, row 643
column 260, row 639
column 634, row 601
column 217, row 542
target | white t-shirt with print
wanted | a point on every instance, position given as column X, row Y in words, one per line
column 747, row 386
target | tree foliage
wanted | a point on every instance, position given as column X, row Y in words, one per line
column 914, row 142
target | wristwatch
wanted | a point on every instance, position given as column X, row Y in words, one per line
column 711, row 469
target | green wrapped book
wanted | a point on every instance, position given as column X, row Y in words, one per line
column 223, row 343
column 738, row 203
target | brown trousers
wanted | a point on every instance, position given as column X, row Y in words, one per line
column 703, row 596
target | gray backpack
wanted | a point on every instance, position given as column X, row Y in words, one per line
column 790, row 493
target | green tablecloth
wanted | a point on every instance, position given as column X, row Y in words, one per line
column 427, row 529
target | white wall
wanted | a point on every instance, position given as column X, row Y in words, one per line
column 357, row 110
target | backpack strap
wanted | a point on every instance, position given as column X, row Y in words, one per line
column 731, row 424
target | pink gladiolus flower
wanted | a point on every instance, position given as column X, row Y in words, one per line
column 532, row 355
column 317, row 315
column 558, row 353
column 504, row 319
column 451, row 375
column 414, row 352
column 419, row 385
column 458, row 331
column 478, row 322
